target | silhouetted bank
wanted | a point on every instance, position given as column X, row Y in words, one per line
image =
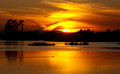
column 81, row 36
column 11, row 33
column 42, row 44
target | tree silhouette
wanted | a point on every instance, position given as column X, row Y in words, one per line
column 21, row 24
column 12, row 26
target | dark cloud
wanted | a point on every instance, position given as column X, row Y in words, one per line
column 103, row 22
column 109, row 3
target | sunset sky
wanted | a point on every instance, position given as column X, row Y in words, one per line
column 62, row 14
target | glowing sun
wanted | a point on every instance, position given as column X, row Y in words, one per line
column 66, row 31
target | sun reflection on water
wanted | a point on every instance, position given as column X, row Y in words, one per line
column 67, row 61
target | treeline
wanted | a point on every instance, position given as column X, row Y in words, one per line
column 85, row 36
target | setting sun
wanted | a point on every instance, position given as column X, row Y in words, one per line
column 66, row 31
column 69, row 30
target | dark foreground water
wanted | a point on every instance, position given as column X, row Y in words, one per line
column 17, row 57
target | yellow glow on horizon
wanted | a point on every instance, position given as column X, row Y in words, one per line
column 72, row 26
column 65, row 25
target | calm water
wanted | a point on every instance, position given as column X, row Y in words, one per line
column 17, row 57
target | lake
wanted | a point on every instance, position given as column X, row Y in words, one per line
column 17, row 57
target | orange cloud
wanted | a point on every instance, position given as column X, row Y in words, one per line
column 49, row 15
